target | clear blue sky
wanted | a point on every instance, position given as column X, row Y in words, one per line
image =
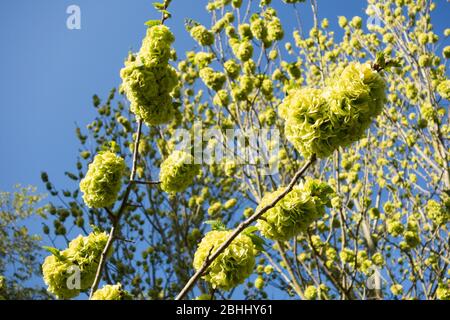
column 49, row 73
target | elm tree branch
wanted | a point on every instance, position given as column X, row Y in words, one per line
column 241, row 228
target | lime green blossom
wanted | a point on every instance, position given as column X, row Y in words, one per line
column 311, row 293
column 318, row 121
column 343, row 21
column 443, row 292
column 242, row 50
column 178, row 171
column 274, row 30
column 103, row 180
column 148, row 90
column 230, row 203
column 394, row 227
column 155, row 49
column 221, row 99
column 111, row 292
column 397, row 289
column 57, row 272
column 204, row 296
column 259, row 283
column 307, row 125
column 202, row 35
column 446, row 52
column 258, row 28
column 203, row 59
column 294, row 212
column 83, row 256
column 444, row 89
column 245, row 32
column 212, row 79
column 232, row 68
column 356, row 22
column 148, row 79
column 215, row 208
column 355, row 96
column 437, row 213
column 232, row 266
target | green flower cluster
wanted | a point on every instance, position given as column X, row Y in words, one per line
column 294, row 212
column 221, row 98
column 178, row 171
column 444, row 89
column 266, row 29
column 443, row 292
column 232, row 266
column 203, row 36
column 310, row 293
column 148, row 79
column 232, row 68
column 103, row 180
column 437, row 213
column 212, row 79
column 243, row 50
column 111, row 292
column 203, row 59
column 83, row 256
column 317, row 121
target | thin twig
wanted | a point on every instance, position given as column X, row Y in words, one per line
column 145, row 182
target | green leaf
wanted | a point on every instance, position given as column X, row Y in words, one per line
column 158, row 6
column 249, row 230
column 152, row 23
column 216, row 225
column 257, row 241
column 394, row 63
column 54, row 251
column 380, row 60
column 71, row 175
column 96, row 229
column 189, row 24
column 166, row 13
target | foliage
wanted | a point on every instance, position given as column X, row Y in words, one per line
column 369, row 100
column 19, row 249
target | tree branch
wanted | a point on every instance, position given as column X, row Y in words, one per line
column 241, row 228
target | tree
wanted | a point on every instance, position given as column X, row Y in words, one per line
column 20, row 252
column 348, row 198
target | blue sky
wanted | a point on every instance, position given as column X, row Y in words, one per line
column 49, row 73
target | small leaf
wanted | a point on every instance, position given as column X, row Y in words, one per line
column 158, row 6
column 216, row 225
column 96, row 229
column 54, row 251
column 189, row 24
column 71, row 175
column 394, row 63
column 257, row 241
column 152, row 23
column 166, row 13
column 250, row 230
